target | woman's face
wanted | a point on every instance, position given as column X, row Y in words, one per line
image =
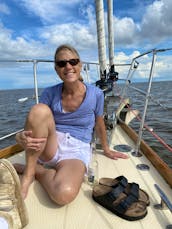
column 68, row 71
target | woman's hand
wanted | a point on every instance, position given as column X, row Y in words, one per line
column 26, row 140
column 114, row 154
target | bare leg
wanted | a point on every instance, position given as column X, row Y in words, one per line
column 62, row 184
column 41, row 122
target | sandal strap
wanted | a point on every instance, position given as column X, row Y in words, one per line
column 118, row 188
column 134, row 190
column 122, row 180
column 125, row 203
column 115, row 192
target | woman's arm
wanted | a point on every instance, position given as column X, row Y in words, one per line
column 101, row 132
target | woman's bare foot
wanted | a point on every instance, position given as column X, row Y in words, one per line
column 28, row 177
column 26, row 180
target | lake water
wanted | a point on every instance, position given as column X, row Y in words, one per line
column 13, row 113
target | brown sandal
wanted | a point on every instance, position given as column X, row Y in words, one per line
column 125, row 206
column 131, row 188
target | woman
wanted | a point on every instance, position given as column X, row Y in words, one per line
column 58, row 131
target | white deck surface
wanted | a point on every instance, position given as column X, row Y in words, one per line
column 84, row 213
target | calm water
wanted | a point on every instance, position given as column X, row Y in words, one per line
column 13, row 113
column 158, row 117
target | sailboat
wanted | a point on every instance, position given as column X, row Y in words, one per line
column 144, row 167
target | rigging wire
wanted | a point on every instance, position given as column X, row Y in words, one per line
column 145, row 125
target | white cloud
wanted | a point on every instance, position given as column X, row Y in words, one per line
column 155, row 26
column 124, row 30
column 4, row 8
column 48, row 11
column 80, row 34
column 153, row 29
column 163, row 66
column 19, row 47
column 156, row 22
column 75, row 34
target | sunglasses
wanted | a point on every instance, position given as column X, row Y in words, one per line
column 62, row 63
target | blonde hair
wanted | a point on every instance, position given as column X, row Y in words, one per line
column 81, row 78
column 66, row 47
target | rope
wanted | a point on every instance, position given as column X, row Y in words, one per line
column 145, row 125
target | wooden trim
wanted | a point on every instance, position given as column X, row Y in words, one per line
column 10, row 150
column 152, row 156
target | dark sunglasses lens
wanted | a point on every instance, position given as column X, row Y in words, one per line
column 62, row 63
column 73, row 62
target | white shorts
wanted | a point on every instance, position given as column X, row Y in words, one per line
column 69, row 148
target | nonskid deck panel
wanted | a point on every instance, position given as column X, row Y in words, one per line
column 83, row 212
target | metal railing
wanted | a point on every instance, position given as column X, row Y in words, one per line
column 133, row 67
column 147, row 94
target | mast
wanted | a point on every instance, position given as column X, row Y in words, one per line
column 101, row 37
column 112, row 75
column 110, row 32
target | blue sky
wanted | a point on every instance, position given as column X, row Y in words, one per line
column 32, row 29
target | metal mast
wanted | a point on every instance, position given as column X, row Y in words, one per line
column 110, row 32
column 101, row 37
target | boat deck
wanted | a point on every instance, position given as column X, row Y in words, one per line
column 84, row 213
